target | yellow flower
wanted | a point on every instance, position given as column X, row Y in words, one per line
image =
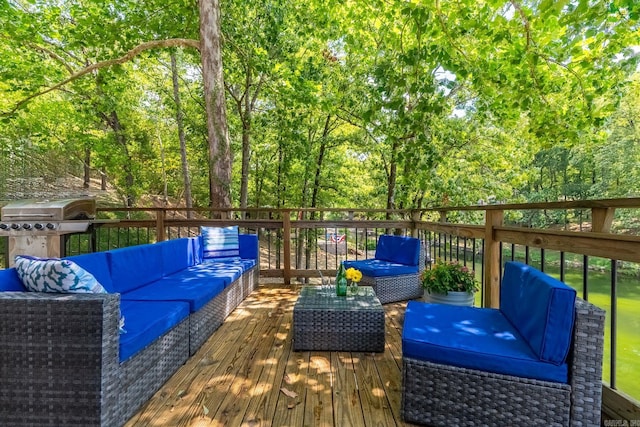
column 353, row 274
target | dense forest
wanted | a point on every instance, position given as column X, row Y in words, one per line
column 376, row 104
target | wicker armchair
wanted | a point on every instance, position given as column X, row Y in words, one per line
column 440, row 394
column 394, row 272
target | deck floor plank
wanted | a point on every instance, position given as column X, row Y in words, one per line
column 240, row 375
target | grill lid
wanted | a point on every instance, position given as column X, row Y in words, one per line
column 49, row 210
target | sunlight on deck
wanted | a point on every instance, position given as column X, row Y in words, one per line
column 247, row 374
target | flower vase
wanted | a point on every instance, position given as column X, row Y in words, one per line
column 353, row 288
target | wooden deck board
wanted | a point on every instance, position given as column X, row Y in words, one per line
column 247, row 373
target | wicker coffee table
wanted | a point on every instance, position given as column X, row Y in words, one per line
column 326, row 322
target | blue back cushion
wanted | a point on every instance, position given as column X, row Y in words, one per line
column 541, row 308
column 9, row 281
column 399, row 249
column 248, row 246
column 198, row 254
column 135, row 266
column 220, row 242
column 98, row 265
column 177, row 254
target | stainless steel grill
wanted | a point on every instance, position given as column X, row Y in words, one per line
column 36, row 227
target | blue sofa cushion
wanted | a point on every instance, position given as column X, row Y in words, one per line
column 398, row 249
column 97, row 264
column 204, row 271
column 146, row 322
column 475, row 338
column 135, row 266
column 220, row 242
column 198, row 254
column 9, row 281
column 541, row 308
column 229, row 271
column 379, row 268
column 248, row 246
column 177, row 254
column 55, row 275
column 197, row 291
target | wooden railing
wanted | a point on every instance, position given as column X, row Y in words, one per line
column 295, row 244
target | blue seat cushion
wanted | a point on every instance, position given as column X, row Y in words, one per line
column 10, row 281
column 228, row 269
column 177, row 254
column 146, row 321
column 135, row 266
column 475, row 338
column 195, row 291
column 379, row 268
column 97, row 264
column 541, row 308
column 398, row 249
column 207, row 271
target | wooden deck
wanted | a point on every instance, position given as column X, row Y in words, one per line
column 246, row 374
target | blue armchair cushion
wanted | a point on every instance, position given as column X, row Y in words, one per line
column 220, row 242
column 146, row 322
column 398, row 249
column 97, row 264
column 541, row 308
column 196, row 291
column 9, row 281
column 55, row 275
column 135, row 266
column 177, row 254
column 474, row 338
column 379, row 268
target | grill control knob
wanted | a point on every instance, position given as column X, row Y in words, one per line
column 51, row 226
column 4, row 226
column 38, row 226
column 27, row 226
column 15, row 226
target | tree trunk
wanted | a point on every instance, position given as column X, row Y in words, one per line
column 246, row 138
column 183, row 145
column 87, row 166
column 116, row 126
column 214, row 96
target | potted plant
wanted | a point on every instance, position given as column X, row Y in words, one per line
column 449, row 283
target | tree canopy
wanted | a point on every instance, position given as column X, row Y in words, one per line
column 380, row 103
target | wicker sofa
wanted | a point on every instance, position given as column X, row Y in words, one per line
column 394, row 270
column 64, row 359
column 535, row 361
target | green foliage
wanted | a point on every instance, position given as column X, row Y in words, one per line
column 446, row 276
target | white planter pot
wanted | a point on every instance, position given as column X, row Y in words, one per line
column 451, row 298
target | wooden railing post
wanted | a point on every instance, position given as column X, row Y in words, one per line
column 415, row 217
column 491, row 259
column 601, row 219
column 160, row 234
column 286, row 238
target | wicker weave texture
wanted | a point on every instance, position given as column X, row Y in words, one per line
column 440, row 395
column 63, row 367
column 324, row 321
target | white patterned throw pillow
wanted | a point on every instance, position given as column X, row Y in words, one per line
column 220, row 242
column 55, row 275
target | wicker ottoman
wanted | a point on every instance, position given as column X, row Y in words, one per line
column 323, row 321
